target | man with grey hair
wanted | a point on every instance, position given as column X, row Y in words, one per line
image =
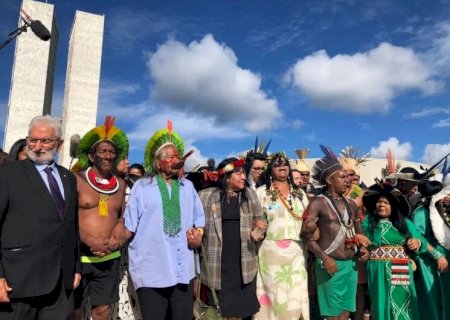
column 39, row 240
column 165, row 217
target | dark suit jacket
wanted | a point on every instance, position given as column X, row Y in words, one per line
column 36, row 243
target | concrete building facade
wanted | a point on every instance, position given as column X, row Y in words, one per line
column 373, row 167
column 82, row 79
column 32, row 75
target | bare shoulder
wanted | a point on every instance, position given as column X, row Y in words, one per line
column 317, row 201
column 353, row 205
column 81, row 175
column 122, row 185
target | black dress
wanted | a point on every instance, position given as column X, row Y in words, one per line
column 235, row 298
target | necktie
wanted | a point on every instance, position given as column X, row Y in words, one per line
column 54, row 190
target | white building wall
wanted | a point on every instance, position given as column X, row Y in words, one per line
column 82, row 79
column 372, row 168
column 32, row 75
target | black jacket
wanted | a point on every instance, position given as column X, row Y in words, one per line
column 36, row 243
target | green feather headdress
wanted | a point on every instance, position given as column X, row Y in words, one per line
column 105, row 132
column 160, row 139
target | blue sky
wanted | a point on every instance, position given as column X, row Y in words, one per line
column 371, row 74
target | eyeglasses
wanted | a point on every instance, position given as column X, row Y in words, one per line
column 45, row 141
column 258, row 169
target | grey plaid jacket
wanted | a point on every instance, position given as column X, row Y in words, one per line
column 212, row 241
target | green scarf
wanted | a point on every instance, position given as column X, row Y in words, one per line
column 171, row 206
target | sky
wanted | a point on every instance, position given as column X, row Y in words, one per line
column 368, row 74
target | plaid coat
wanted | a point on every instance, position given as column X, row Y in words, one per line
column 212, row 241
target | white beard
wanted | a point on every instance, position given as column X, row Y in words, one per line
column 46, row 157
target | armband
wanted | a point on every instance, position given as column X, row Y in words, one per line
column 436, row 255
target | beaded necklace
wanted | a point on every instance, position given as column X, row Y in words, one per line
column 171, row 206
column 287, row 202
column 105, row 186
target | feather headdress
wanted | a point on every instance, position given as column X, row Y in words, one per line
column 160, row 139
column 105, row 132
column 300, row 164
column 259, row 150
column 352, row 160
column 325, row 167
column 391, row 168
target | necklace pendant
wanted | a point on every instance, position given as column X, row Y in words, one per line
column 103, row 205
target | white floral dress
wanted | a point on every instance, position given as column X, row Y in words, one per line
column 282, row 282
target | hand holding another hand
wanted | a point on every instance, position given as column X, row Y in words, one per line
column 194, row 237
column 4, row 290
column 413, row 244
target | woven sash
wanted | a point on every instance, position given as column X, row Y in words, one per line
column 399, row 262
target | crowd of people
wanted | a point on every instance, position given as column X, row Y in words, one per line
column 274, row 238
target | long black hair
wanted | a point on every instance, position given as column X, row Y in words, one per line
column 396, row 217
column 267, row 175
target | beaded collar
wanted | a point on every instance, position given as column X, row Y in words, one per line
column 105, row 186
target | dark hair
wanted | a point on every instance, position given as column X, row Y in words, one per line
column 16, row 148
column 251, row 157
column 397, row 219
column 222, row 182
column 3, row 157
column 138, row 166
column 267, row 176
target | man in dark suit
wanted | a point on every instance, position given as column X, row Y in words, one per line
column 39, row 239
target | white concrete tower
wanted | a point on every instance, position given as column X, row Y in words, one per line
column 32, row 76
column 82, row 79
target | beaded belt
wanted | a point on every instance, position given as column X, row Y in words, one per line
column 399, row 262
column 388, row 253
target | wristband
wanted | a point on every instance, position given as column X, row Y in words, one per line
column 323, row 256
column 201, row 231
column 436, row 255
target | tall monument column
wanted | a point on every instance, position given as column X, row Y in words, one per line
column 82, row 79
column 32, row 75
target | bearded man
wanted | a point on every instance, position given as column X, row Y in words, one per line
column 39, row 240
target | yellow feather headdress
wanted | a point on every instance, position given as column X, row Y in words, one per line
column 352, row 160
column 300, row 164
column 105, row 132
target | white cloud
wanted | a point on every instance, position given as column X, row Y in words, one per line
column 443, row 123
column 402, row 151
column 296, row 123
column 204, row 78
column 364, row 125
column 311, row 136
column 140, row 119
column 114, row 100
column 435, row 152
column 190, row 127
column 437, row 56
column 427, row 112
column 363, row 82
